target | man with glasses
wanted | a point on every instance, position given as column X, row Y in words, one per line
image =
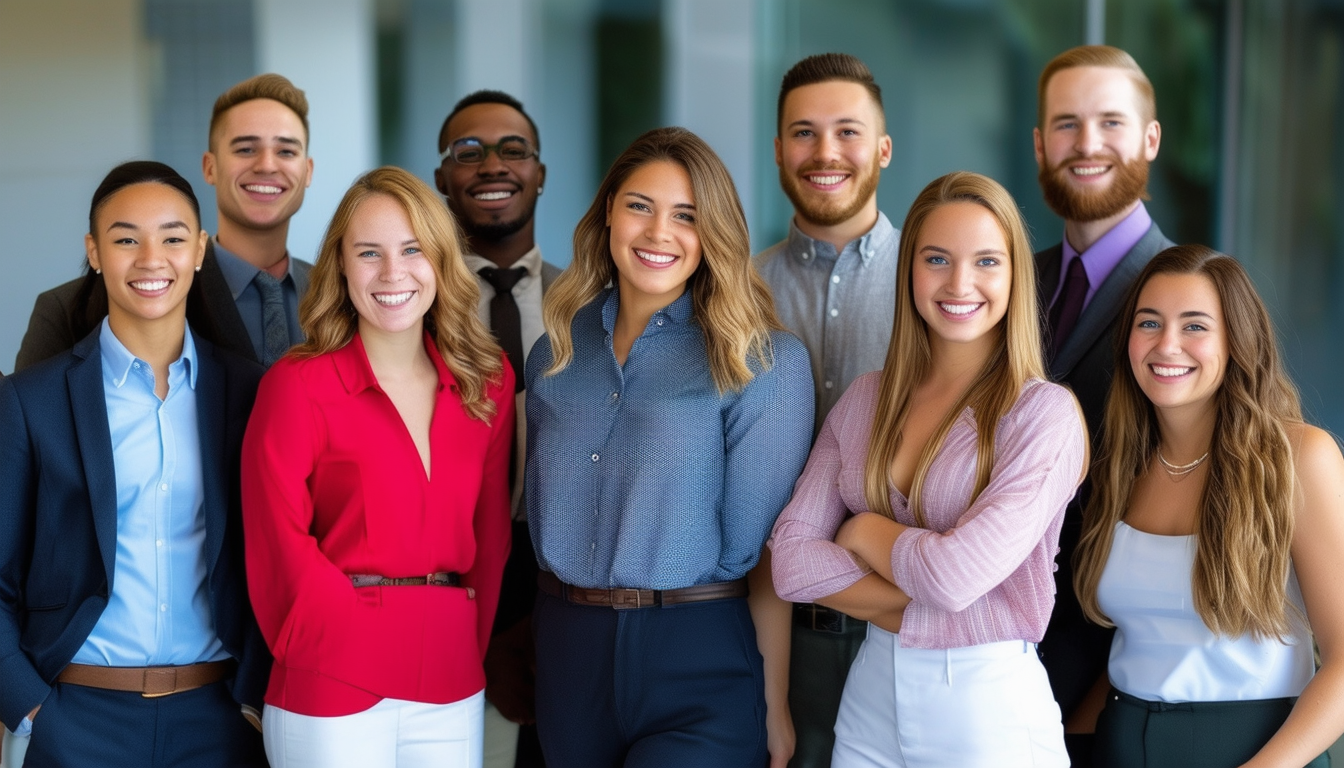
column 492, row 175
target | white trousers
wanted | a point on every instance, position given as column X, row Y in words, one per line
column 391, row 734
column 986, row 705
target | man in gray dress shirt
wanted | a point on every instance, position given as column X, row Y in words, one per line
column 248, row 285
column 834, row 281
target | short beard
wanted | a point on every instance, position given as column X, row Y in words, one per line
column 491, row 231
column 1130, row 184
column 832, row 212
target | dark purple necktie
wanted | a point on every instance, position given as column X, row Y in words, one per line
column 1068, row 305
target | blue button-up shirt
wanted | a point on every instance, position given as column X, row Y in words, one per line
column 840, row 303
column 239, row 274
column 643, row 475
column 158, row 611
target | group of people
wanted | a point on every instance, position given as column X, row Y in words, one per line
column 433, row 501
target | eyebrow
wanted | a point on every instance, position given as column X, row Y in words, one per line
column 479, row 140
column 1188, row 313
column 136, row 228
column 290, row 140
column 840, row 121
column 646, row 198
column 981, row 252
column 363, row 244
column 1071, row 116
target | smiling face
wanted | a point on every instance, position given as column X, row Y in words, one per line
column 390, row 279
column 1177, row 342
column 148, row 244
column 830, row 151
column 258, row 164
column 654, row 242
column 495, row 198
column 961, row 274
column 1095, row 146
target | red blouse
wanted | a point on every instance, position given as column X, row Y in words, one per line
column 333, row 485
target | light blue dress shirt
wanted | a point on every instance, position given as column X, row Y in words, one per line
column 239, row 274
column 158, row 611
column 643, row 475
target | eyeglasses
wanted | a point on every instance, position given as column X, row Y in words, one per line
column 510, row 149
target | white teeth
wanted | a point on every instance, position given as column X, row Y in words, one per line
column 656, row 258
column 958, row 309
column 1089, row 171
column 827, row 180
column 149, row 285
column 393, row 299
column 1162, row 370
column 262, row 189
column 493, row 195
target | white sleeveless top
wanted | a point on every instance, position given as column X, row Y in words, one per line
column 1163, row 651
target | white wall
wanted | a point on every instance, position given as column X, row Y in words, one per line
column 74, row 90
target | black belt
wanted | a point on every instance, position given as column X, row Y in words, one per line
column 822, row 619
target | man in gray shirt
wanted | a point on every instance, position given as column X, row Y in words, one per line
column 834, row 281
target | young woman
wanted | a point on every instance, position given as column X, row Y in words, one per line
column 932, row 502
column 126, row 637
column 668, row 416
column 1213, row 537
column 375, row 490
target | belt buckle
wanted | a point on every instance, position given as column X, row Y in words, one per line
column 827, row 620
column 620, row 599
column 159, row 682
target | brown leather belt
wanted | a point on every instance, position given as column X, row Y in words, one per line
column 150, row 682
column 436, row 579
column 621, row 599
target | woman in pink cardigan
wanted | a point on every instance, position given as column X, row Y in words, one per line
column 932, row 501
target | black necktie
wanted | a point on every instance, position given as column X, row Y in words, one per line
column 1068, row 306
column 504, row 319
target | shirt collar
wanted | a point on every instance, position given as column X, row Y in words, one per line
column 679, row 312
column 805, row 248
column 531, row 261
column 239, row 273
column 352, row 365
column 1110, row 249
column 118, row 362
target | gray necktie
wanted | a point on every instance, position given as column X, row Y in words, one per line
column 274, row 325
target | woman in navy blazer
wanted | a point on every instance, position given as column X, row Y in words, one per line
column 92, row 524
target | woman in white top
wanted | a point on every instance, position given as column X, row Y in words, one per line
column 1213, row 535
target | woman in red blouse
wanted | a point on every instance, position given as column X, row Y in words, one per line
column 375, row 496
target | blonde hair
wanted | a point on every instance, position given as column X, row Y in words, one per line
column 730, row 301
column 329, row 319
column 268, row 86
column 1015, row 359
column 1098, row 56
column 1244, row 522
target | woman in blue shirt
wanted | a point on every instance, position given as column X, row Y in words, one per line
column 126, row 636
column 668, row 417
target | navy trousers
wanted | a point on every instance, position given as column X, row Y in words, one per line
column 670, row 686
column 79, row 727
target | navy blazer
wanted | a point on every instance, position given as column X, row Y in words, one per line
column 1074, row 651
column 58, row 517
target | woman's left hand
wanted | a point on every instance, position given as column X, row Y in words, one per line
column 870, row 537
column 780, row 739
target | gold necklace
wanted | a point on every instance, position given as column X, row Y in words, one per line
column 1177, row 471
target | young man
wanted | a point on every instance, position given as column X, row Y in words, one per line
column 491, row 173
column 1097, row 134
column 249, row 287
column 834, row 281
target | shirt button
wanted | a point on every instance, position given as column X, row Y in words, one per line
column 135, row 365
column 596, row 457
column 660, row 322
column 159, row 543
column 835, row 313
column 830, row 384
column 835, row 279
column 615, row 395
column 163, row 487
column 163, row 608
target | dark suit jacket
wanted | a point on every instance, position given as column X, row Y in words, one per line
column 58, row 518
column 67, row 313
column 1075, row 651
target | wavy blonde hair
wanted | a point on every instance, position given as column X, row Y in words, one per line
column 329, row 319
column 1016, row 358
column 730, row 301
column 1244, row 523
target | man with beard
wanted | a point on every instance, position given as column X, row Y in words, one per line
column 834, row 280
column 492, row 175
column 1097, row 132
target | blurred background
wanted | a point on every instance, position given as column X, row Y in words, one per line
column 1250, row 95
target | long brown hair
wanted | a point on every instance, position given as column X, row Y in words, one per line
column 730, row 301
column 329, row 320
column 1015, row 359
column 1244, row 523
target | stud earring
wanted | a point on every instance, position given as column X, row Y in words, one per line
column 198, row 267
column 97, row 271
